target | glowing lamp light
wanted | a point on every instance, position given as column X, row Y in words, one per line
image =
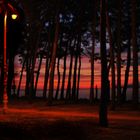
column 14, row 16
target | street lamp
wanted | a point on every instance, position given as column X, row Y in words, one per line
column 14, row 16
column 5, row 8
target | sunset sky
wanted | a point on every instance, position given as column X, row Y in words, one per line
column 85, row 73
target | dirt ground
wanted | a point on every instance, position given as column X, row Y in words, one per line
column 37, row 121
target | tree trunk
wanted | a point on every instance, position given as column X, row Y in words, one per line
column 36, row 38
column 53, row 59
column 27, row 87
column 127, row 6
column 135, row 55
column 64, row 75
column 92, row 53
column 75, row 65
column 38, row 73
column 112, row 62
column 126, row 73
column 10, row 75
column 119, row 3
column 33, row 20
column 78, row 81
column 20, row 79
column 47, row 66
column 46, row 76
column 96, row 93
column 104, row 76
column 75, row 75
column 58, row 84
column 68, row 93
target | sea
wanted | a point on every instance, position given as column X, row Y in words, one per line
column 83, row 93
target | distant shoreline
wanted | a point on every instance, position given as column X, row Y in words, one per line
column 83, row 93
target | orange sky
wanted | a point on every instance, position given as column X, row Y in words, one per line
column 85, row 74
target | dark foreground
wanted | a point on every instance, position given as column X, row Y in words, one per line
column 37, row 121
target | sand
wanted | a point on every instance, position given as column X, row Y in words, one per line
column 36, row 121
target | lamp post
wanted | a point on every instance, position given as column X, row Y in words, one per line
column 5, row 10
column 5, row 96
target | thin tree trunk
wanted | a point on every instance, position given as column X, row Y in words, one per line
column 38, row 73
column 104, row 77
column 58, row 66
column 21, row 75
column 78, row 81
column 58, row 84
column 92, row 53
column 68, row 93
column 128, row 63
column 119, row 3
column 46, row 77
column 33, row 53
column 135, row 55
column 75, row 67
column 32, row 88
column 64, row 75
column 74, row 78
column 112, row 62
column 47, row 66
column 27, row 87
column 126, row 73
column 96, row 93
column 53, row 59
column 0, row 78
column 10, row 75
